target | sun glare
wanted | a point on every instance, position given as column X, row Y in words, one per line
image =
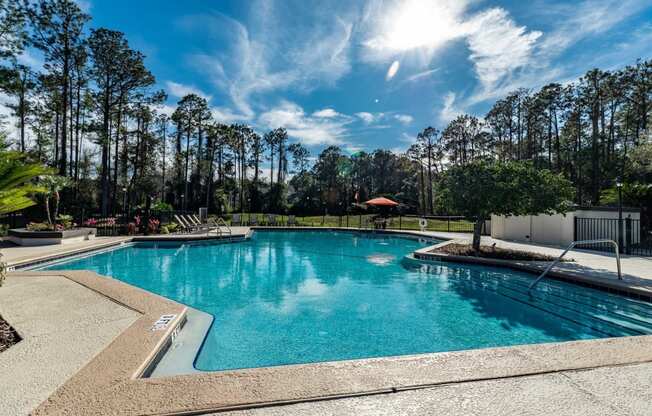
column 419, row 24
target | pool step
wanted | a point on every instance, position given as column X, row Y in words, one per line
column 609, row 306
column 581, row 313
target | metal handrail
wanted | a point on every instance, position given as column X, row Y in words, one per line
column 219, row 223
column 571, row 246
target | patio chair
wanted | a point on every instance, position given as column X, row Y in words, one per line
column 271, row 220
column 253, row 220
column 183, row 225
column 236, row 219
column 195, row 223
column 292, row 220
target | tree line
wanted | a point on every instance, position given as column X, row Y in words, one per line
column 94, row 113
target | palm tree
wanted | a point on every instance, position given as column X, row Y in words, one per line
column 16, row 181
column 16, row 186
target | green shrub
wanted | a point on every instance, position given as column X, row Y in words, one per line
column 39, row 226
column 164, row 230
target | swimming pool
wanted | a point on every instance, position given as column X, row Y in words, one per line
column 289, row 297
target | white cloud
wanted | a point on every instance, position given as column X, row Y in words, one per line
column 181, row 90
column 269, row 55
column 367, row 117
column 404, row 118
column 308, row 129
column 393, row 69
column 227, row 116
column 421, row 75
column 326, row 113
column 498, row 46
column 449, row 111
column 579, row 20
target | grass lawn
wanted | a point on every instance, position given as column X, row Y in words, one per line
column 404, row 223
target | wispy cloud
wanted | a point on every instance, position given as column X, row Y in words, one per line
column 308, row 129
column 371, row 118
column 449, row 111
column 181, row 90
column 498, row 46
column 404, row 118
column 326, row 113
column 421, row 75
column 367, row 117
column 268, row 55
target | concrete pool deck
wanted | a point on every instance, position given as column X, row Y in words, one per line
column 571, row 377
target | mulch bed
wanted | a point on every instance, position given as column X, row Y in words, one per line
column 8, row 335
column 491, row 252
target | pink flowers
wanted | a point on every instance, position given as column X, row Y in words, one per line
column 91, row 222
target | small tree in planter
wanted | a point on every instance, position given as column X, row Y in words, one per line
column 482, row 188
column 52, row 186
column 16, row 186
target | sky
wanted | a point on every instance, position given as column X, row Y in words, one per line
column 370, row 74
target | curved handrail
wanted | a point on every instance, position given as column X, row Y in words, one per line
column 219, row 223
column 571, row 246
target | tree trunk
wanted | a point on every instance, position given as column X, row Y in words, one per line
column 477, row 233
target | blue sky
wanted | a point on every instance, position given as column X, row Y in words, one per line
column 368, row 74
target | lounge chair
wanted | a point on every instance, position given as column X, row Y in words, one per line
column 253, row 220
column 183, row 224
column 195, row 223
column 292, row 220
column 271, row 220
column 236, row 220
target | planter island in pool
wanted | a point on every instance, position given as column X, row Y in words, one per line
column 25, row 237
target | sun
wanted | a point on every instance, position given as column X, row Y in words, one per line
column 414, row 24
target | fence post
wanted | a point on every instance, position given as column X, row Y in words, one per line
column 347, row 220
column 574, row 228
column 400, row 223
column 449, row 223
column 628, row 235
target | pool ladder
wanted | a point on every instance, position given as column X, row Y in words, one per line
column 570, row 247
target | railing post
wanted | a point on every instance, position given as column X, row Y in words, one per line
column 575, row 228
column 620, row 233
column 400, row 223
column 628, row 235
column 449, row 223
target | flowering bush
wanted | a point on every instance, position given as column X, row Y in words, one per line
column 137, row 220
column 91, row 222
column 132, row 228
column 153, row 226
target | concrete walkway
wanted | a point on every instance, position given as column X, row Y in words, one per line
column 616, row 391
column 13, row 254
column 63, row 326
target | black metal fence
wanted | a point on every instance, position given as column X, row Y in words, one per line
column 125, row 223
column 632, row 237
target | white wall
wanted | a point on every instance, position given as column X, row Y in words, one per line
column 555, row 229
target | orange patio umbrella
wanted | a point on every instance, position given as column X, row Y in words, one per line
column 382, row 202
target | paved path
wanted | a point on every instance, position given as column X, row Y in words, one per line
column 617, row 391
column 14, row 254
column 63, row 326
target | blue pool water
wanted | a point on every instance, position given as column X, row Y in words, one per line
column 301, row 297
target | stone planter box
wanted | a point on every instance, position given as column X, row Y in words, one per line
column 24, row 237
